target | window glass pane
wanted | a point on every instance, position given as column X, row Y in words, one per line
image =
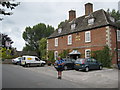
column 59, row 30
column 91, row 21
column 56, row 41
column 69, row 39
column 118, row 53
column 55, row 55
column 118, row 35
column 73, row 26
column 87, row 53
column 87, row 36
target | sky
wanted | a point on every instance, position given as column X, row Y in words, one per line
column 50, row 12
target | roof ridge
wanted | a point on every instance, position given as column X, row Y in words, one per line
column 105, row 16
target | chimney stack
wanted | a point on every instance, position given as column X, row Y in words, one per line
column 88, row 8
column 72, row 15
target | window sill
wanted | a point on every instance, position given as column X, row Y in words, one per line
column 88, row 42
column 69, row 44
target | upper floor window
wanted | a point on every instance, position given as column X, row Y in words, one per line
column 118, row 35
column 59, row 30
column 56, row 42
column 73, row 26
column 87, row 36
column 69, row 39
column 91, row 21
column 87, row 53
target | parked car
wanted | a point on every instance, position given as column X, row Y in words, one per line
column 87, row 64
column 17, row 60
column 68, row 64
column 32, row 61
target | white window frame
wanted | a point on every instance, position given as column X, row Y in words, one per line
column 59, row 30
column 73, row 26
column 56, row 42
column 118, row 35
column 86, row 53
column 55, row 55
column 86, row 36
column 69, row 39
column 91, row 21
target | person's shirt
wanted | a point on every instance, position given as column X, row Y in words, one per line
column 59, row 62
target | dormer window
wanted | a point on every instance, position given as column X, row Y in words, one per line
column 91, row 21
column 73, row 26
column 59, row 30
column 112, row 19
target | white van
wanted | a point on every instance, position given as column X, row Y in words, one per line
column 32, row 60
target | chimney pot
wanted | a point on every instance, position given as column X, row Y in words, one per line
column 72, row 15
column 88, row 8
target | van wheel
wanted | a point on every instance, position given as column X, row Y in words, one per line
column 100, row 67
column 86, row 69
column 28, row 65
column 41, row 65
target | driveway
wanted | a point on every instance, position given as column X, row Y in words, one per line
column 106, row 78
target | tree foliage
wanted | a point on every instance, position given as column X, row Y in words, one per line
column 5, row 38
column 42, row 48
column 59, row 25
column 6, row 53
column 103, row 56
column 8, row 4
column 32, row 35
column 116, row 15
column 64, row 54
column 51, row 56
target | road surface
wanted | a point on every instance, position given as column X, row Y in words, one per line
column 17, row 77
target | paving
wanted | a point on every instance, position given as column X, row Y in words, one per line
column 106, row 78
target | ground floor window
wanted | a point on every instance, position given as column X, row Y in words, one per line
column 87, row 53
column 118, row 52
column 55, row 55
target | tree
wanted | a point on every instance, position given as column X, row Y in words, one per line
column 9, row 5
column 116, row 15
column 3, row 39
column 42, row 48
column 61, row 23
column 34, row 34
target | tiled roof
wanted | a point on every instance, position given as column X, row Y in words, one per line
column 101, row 18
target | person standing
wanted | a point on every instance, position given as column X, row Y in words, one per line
column 59, row 66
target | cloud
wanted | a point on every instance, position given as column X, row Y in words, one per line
column 52, row 12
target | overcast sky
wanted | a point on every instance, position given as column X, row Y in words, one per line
column 52, row 12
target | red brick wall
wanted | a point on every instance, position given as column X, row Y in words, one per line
column 98, row 38
column 113, row 45
column 98, row 41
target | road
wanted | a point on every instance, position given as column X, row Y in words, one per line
column 15, row 76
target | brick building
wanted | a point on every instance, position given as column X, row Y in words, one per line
column 87, row 33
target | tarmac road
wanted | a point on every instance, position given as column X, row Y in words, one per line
column 17, row 77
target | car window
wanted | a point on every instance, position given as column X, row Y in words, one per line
column 93, row 60
column 89, row 60
column 19, row 58
column 23, row 58
column 80, row 61
column 37, row 59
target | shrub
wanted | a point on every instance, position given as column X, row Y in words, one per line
column 103, row 56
